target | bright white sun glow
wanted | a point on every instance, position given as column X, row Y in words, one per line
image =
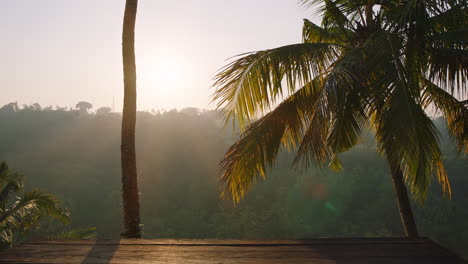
column 161, row 82
column 168, row 79
column 166, row 73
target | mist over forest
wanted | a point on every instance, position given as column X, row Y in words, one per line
column 75, row 154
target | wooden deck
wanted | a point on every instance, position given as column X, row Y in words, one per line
column 316, row 251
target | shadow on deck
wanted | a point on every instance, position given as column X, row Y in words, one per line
column 314, row 251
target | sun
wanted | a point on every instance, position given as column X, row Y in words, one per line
column 171, row 81
column 161, row 81
column 166, row 73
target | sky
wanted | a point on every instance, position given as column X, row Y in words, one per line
column 60, row 52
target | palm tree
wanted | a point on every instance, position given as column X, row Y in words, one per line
column 130, row 194
column 372, row 64
column 21, row 211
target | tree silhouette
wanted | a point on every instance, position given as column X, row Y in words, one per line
column 84, row 106
column 104, row 111
column 11, row 107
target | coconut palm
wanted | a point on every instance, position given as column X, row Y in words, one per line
column 372, row 64
column 21, row 211
column 130, row 195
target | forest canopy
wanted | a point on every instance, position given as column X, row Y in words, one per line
column 75, row 155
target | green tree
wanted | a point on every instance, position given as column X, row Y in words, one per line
column 103, row 111
column 130, row 194
column 84, row 106
column 22, row 211
column 371, row 64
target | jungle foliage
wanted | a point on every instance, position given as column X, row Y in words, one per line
column 22, row 211
column 75, row 155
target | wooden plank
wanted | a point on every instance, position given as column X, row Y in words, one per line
column 149, row 250
column 319, row 251
column 237, row 241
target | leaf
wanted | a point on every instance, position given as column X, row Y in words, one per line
column 335, row 164
column 258, row 146
column 84, row 233
column 251, row 84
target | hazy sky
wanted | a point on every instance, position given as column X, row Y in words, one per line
column 58, row 52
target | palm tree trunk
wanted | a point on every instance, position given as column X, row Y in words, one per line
column 368, row 11
column 131, row 204
column 404, row 205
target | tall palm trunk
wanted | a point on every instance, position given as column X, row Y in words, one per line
column 404, row 205
column 131, row 204
column 368, row 11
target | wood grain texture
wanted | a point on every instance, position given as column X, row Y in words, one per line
column 312, row 251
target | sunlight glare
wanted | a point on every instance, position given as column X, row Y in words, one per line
column 161, row 81
column 166, row 73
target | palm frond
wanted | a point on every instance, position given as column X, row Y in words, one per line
column 13, row 185
column 6, row 238
column 27, row 211
column 456, row 38
column 84, row 233
column 4, row 172
column 348, row 98
column 449, row 69
column 349, row 120
column 455, row 112
column 409, row 139
column 312, row 33
column 256, row 150
column 314, row 146
column 333, row 15
column 453, row 17
column 250, row 85
column 10, row 183
column 21, row 212
column 335, row 164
